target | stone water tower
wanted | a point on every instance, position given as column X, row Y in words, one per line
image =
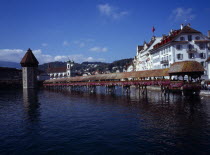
column 29, row 65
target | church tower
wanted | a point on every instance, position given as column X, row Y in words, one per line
column 68, row 69
column 29, row 65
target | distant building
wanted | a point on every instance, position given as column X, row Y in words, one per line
column 60, row 72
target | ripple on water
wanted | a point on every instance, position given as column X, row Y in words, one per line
column 47, row 122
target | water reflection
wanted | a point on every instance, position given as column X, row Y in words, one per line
column 153, row 101
column 79, row 122
column 31, row 104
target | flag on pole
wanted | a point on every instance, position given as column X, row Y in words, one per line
column 153, row 29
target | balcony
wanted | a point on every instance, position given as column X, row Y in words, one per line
column 193, row 50
column 164, row 62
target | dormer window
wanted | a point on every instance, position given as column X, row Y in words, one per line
column 197, row 38
column 182, row 39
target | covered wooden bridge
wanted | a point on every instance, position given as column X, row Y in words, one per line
column 181, row 75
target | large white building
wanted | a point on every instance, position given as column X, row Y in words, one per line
column 143, row 59
column 183, row 44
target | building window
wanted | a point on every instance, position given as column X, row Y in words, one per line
column 203, row 63
column 189, row 37
column 179, row 56
column 197, row 38
column 68, row 66
column 201, row 46
column 191, row 56
column 202, row 55
column 169, row 57
column 182, row 39
column 190, row 47
column 178, row 47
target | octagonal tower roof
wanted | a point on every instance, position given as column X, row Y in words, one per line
column 29, row 60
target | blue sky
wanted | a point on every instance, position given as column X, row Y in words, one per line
column 91, row 30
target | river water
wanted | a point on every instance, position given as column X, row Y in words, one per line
column 63, row 122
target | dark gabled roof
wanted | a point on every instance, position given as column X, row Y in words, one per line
column 29, row 60
column 188, row 29
column 140, row 47
column 185, row 67
column 180, row 42
column 56, row 70
column 202, row 41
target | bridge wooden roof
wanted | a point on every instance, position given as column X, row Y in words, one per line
column 186, row 67
column 115, row 76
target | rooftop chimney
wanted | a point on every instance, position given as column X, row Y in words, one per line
column 182, row 26
column 188, row 24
